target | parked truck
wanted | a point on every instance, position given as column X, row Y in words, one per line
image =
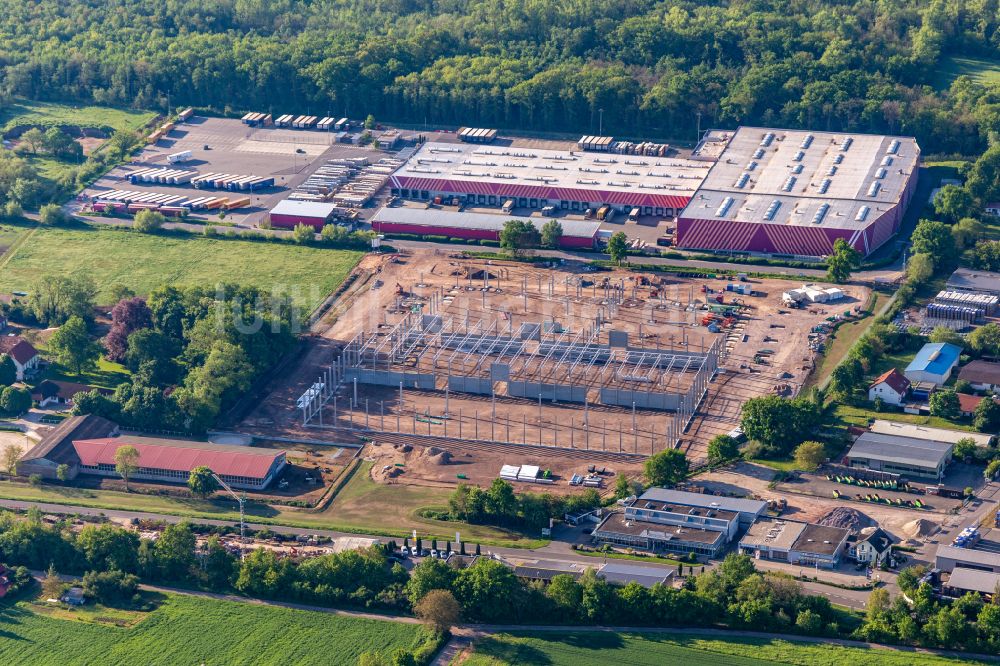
column 182, row 156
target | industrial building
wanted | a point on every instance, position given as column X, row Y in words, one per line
column 474, row 226
column 953, row 558
column 907, row 456
column 804, row 544
column 975, row 281
column 290, row 212
column 964, row 580
column 87, row 445
column 794, row 192
column 915, row 431
column 664, row 520
column 934, row 363
column 536, row 178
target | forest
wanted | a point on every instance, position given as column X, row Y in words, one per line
column 638, row 68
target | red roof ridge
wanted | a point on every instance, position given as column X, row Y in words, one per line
column 894, row 378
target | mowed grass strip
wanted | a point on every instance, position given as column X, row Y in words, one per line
column 143, row 262
column 656, row 649
column 191, row 630
column 21, row 113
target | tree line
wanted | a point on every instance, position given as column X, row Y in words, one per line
column 661, row 68
column 733, row 594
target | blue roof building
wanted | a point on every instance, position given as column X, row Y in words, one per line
column 934, row 363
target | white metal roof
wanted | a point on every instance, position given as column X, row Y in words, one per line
column 933, row 434
column 317, row 209
column 738, row 504
column 485, row 221
column 789, row 178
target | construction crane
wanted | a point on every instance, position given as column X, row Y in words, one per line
column 241, row 500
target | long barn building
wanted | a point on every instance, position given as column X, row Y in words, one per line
column 794, row 192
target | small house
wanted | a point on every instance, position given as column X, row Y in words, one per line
column 873, row 546
column 982, row 375
column 24, row 355
column 892, row 387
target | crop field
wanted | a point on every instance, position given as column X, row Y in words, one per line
column 44, row 114
column 143, row 262
column 982, row 70
column 601, row 648
column 189, row 630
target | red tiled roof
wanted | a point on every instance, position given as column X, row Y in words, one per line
column 253, row 463
column 18, row 348
column 895, row 379
column 968, row 403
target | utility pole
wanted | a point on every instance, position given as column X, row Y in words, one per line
column 241, row 500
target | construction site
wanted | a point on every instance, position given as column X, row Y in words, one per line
column 433, row 347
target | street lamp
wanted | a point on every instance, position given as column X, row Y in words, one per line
column 600, row 125
column 241, row 500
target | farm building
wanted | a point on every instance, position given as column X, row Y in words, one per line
column 933, row 363
column 983, row 375
column 975, row 281
column 473, row 226
column 793, row 192
column 87, row 445
column 290, row 212
column 796, row 543
column 891, row 386
column 907, row 456
column 536, row 178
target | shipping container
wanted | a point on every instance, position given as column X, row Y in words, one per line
column 239, row 202
column 184, row 115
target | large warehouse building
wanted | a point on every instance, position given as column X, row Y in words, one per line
column 535, row 178
column 474, row 226
column 794, row 192
column 87, row 445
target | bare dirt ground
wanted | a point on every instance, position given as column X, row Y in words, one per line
column 748, row 479
column 438, row 467
column 666, row 313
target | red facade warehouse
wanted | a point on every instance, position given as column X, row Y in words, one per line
column 474, row 226
column 289, row 213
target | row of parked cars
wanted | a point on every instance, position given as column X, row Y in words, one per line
column 411, row 551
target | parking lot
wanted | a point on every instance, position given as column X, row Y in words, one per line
column 223, row 145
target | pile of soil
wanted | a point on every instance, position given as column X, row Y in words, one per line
column 436, row 456
column 919, row 528
column 846, row 518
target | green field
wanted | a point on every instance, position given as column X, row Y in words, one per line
column 22, row 113
column 656, row 649
column 189, row 630
column 143, row 262
column 982, row 70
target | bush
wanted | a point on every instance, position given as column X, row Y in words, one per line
column 435, row 239
column 148, row 221
column 52, row 215
column 110, row 587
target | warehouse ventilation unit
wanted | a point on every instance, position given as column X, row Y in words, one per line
column 798, row 156
column 806, row 142
column 766, row 141
column 788, row 184
column 832, row 170
column 873, row 190
column 862, row 214
column 751, row 165
column 838, row 159
column 893, row 147
column 797, row 169
column 759, row 153
column 846, row 145
column 880, row 173
column 772, row 210
column 820, row 213
column 742, row 180
column 825, row 185
column 886, row 161
column 727, row 203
